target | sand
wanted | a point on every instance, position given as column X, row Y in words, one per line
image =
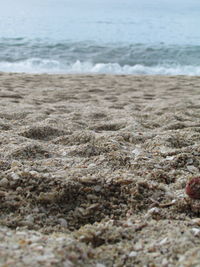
column 94, row 168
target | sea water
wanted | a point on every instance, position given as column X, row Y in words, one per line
column 100, row 36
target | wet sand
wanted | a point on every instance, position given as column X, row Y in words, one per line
column 93, row 170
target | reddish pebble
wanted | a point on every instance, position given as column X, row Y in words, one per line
column 193, row 188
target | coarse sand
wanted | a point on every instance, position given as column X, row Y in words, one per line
column 93, row 170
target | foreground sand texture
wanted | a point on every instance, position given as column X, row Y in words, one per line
column 93, row 170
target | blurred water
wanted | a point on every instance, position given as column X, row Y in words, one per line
column 123, row 35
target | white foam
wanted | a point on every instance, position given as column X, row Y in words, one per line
column 33, row 65
column 37, row 65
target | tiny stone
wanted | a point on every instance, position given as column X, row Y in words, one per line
column 62, row 222
column 196, row 231
column 15, row 246
column 170, row 158
column 100, row 265
column 137, row 151
column 189, row 161
column 35, row 239
column 9, row 233
column 68, row 263
column 15, row 176
column 21, row 233
column 163, row 241
column 132, row 254
column 97, row 188
column 164, row 262
column 196, row 221
column 16, row 168
column 36, row 210
column 19, row 189
column 4, row 182
column 15, row 163
column 154, row 210
column 138, row 246
column 91, row 165
column 34, row 173
column 30, row 218
column 169, row 194
column 192, row 169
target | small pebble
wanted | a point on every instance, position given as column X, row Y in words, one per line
column 192, row 169
column 15, row 176
column 15, row 163
column 92, row 165
column 165, row 263
column 4, row 182
column 163, row 241
column 196, row 221
column 132, row 254
column 138, row 246
column 196, row 231
column 97, row 188
column 100, row 265
column 30, row 218
column 62, row 222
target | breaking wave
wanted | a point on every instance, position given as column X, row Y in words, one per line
column 44, row 56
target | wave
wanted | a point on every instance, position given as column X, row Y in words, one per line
column 36, row 65
column 47, row 56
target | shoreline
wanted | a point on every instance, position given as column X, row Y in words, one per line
column 94, row 167
column 95, row 74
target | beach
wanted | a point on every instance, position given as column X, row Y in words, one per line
column 94, row 168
